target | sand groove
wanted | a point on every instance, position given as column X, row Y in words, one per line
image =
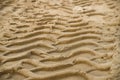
column 58, row 39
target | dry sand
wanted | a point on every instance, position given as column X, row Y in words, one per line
column 59, row 40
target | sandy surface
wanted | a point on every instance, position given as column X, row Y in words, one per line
column 59, row 40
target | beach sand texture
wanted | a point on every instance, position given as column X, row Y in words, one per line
column 59, row 39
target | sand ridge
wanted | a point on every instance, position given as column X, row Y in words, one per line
column 59, row 40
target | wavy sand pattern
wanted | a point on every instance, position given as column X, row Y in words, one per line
column 59, row 39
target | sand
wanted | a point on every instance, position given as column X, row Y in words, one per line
column 59, row 39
